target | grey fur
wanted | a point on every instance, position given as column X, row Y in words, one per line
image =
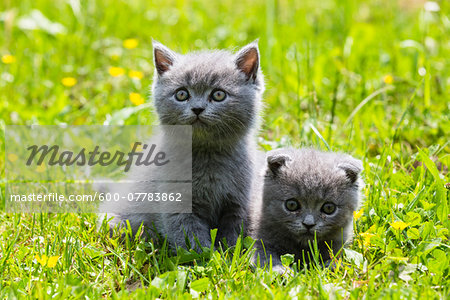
column 222, row 144
column 313, row 178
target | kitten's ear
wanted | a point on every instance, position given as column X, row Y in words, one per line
column 276, row 161
column 247, row 60
column 163, row 57
column 352, row 167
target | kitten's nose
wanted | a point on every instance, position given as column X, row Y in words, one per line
column 308, row 222
column 198, row 110
column 309, row 226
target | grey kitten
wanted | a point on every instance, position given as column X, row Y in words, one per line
column 219, row 94
column 306, row 194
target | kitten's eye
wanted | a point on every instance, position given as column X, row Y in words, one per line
column 182, row 95
column 218, row 95
column 292, row 205
column 328, row 208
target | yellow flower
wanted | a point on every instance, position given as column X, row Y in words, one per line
column 40, row 168
column 8, row 59
column 12, row 157
column 52, row 260
column 136, row 74
column 42, row 260
column 366, row 238
column 115, row 57
column 69, row 81
column 399, row 225
column 116, row 71
column 130, row 43
column 136, row 98
column 358, row 214
column 388, row 79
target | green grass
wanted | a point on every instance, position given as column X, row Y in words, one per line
column 370, row 78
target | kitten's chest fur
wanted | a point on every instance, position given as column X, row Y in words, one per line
column 221, row 179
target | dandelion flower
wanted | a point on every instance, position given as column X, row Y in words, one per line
column 8, row 59
column 52, row 260
column 69, row 81
column 358, row 214
column 366, row 238
column 42, row 259
column 388, row 79
column 116, row 71
column 130, row 43
column 399, row 225
column 136, row 98
column 135, row 74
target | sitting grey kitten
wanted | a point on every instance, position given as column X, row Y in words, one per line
column 307, row 194
column 219, row 94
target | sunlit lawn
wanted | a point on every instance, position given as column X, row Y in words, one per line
column 370, row 78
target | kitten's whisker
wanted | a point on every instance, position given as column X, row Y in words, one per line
column 236, row 119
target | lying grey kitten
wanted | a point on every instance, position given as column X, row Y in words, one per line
column 219, row 94
column 306, row 194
